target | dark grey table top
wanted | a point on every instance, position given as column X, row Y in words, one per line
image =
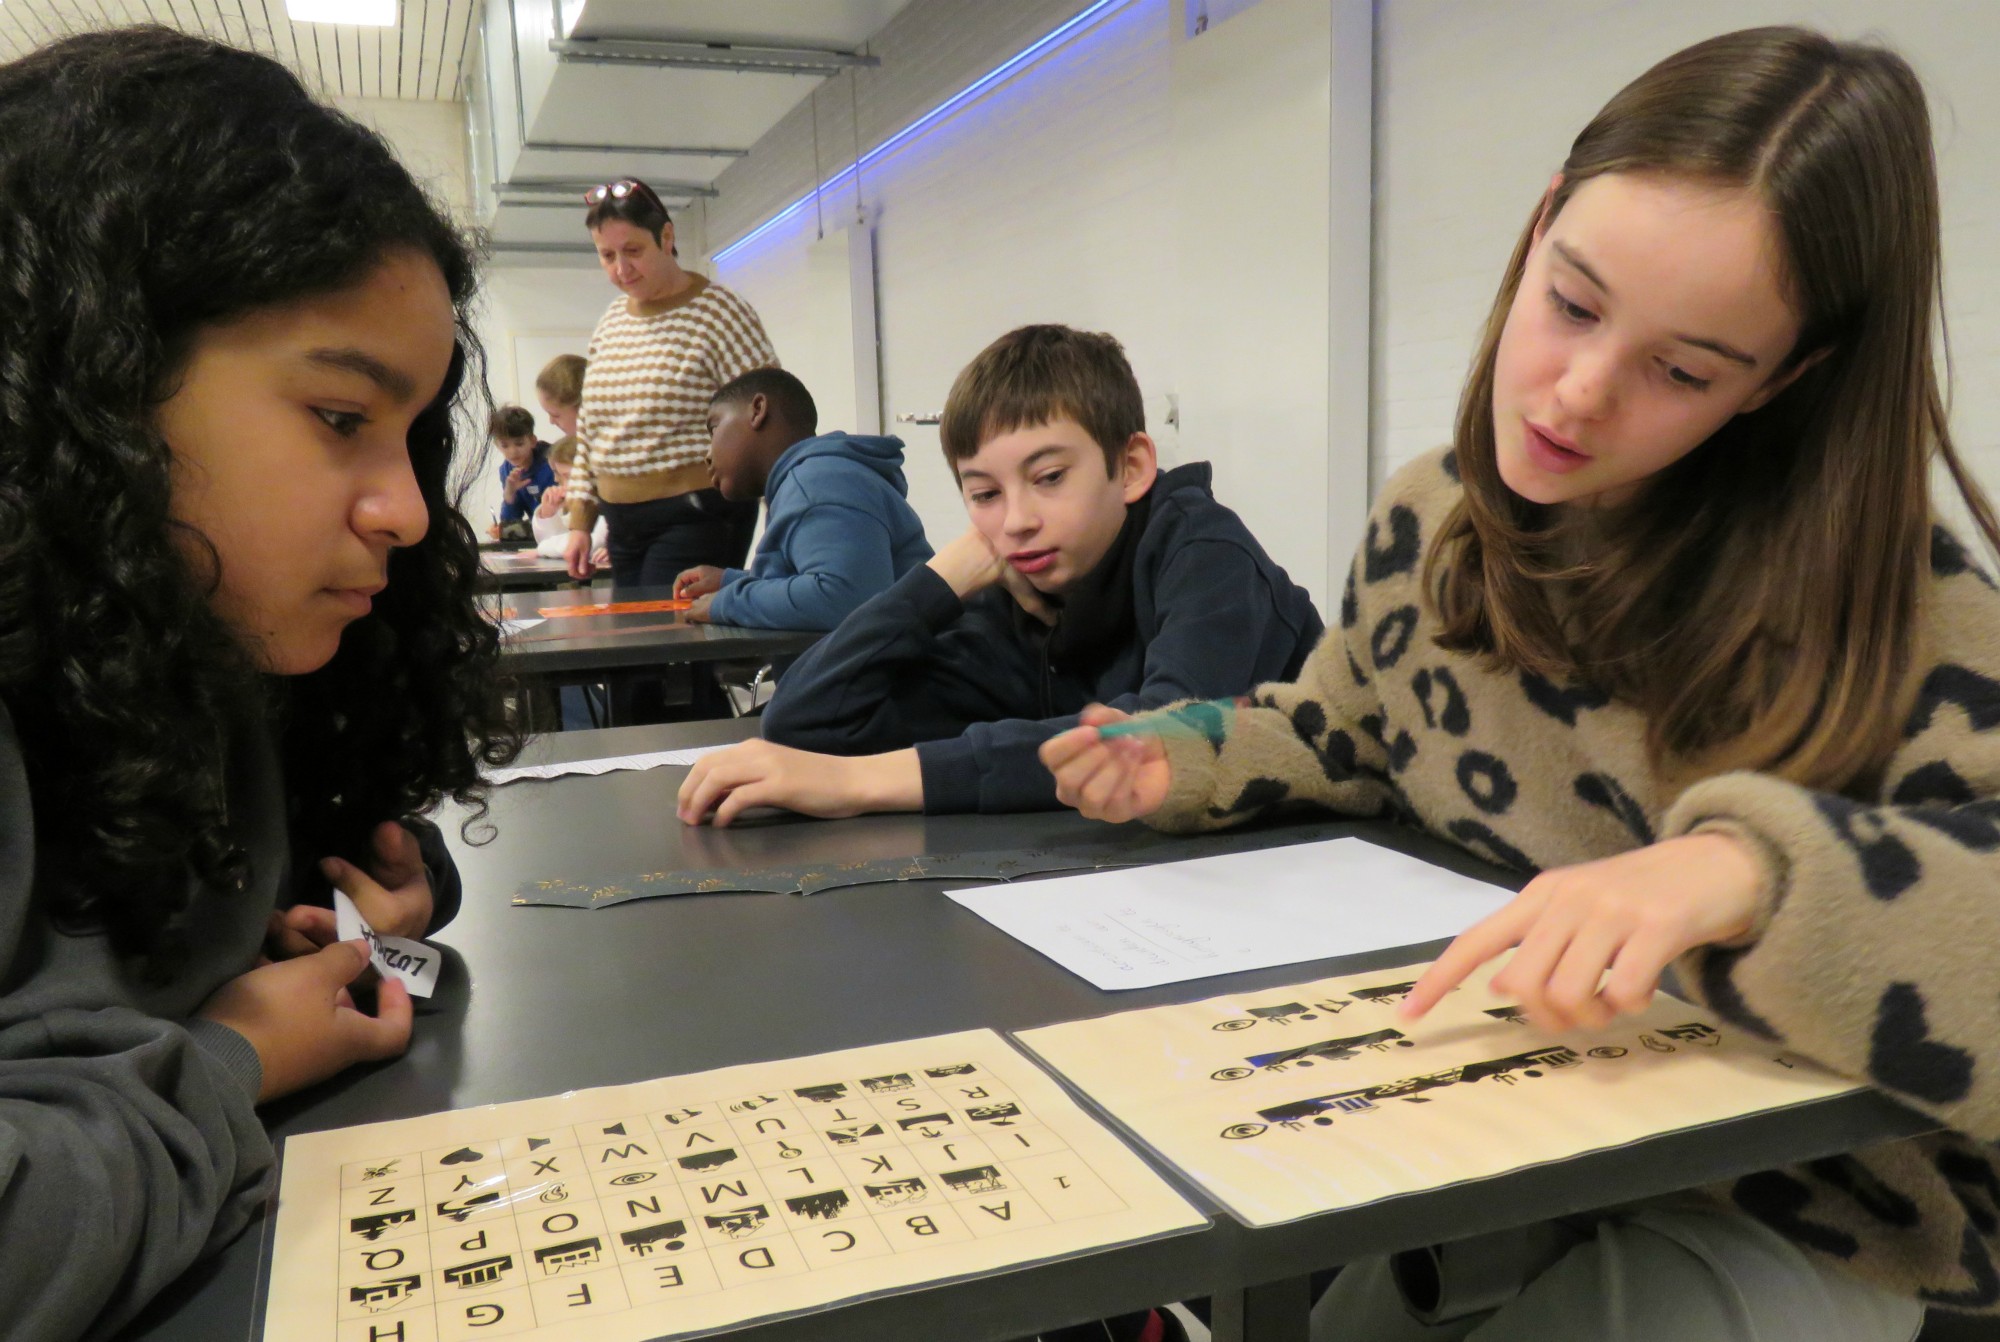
column 521, row 571
column 581, row 645
column 537, row 1000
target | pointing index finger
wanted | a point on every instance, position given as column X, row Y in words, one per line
column 1470, row 949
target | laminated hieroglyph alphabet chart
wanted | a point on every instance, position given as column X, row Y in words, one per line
column 1291, row 1101
column 695, row 1203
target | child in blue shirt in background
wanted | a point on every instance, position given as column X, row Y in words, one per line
column 525, row 472
column 839, row 528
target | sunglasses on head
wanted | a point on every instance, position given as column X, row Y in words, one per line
column 618, row 190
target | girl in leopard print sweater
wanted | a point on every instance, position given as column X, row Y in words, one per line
column 1671, row 626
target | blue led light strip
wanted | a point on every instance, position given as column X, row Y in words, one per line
column 957, row 100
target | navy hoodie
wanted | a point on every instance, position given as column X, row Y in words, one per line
column 840, row 530
column 1185, row 605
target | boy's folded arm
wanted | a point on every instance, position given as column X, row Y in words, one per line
column 129, row 1147
column 899, row 670
column 1220, row 627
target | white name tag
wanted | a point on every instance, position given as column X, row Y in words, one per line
column 413, row 962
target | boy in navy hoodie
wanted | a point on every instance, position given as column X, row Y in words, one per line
column 838, row 529
column 1087, row 576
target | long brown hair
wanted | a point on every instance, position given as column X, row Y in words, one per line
column 1759, row 600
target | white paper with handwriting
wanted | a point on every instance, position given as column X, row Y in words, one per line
column 1138, row 927
column 414, row 962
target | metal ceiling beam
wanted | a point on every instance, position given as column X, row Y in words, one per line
column 707, row 56
column 685, row 151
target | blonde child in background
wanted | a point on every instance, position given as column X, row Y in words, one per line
column 559, row 387
column 551, row 528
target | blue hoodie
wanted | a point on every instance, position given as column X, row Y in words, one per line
column 840, row 530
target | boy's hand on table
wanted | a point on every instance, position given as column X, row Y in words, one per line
column 969, row 565
column 697, row 581
column 722, row 786
column 698, row 612
column 301, row 1020
column 394, row 894
column 1595, row 938
column 1116, row 780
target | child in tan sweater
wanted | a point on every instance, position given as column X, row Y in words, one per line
column 1670, row 626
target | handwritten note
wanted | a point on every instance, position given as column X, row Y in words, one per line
column 1144, row 926
column 413, row 962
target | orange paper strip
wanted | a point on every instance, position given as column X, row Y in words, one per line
column 613, row 608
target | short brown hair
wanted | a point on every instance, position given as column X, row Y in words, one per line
column 561, row 379
column 563, row 451
column 511, row 421
column 1036, row 374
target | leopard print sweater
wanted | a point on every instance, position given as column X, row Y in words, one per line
column 1874, row 952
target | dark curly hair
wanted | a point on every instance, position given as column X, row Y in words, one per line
column 156, row 184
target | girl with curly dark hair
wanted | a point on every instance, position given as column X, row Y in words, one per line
column 239, row 647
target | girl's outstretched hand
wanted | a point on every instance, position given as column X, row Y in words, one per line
column 1595, row 938
column 305, row 1027
column 1116, row 780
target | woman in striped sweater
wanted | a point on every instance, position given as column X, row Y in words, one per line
column 662, row 349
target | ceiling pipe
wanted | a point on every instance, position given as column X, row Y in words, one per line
column 683, row 151
column 707, row 56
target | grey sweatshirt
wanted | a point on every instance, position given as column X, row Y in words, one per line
column 129, row 1142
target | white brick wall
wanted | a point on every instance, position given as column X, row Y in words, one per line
column 429, row 137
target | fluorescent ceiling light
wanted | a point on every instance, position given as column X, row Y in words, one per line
column 360, row 13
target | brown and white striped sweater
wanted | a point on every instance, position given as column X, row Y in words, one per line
column 642, row 432
column 1875, row 950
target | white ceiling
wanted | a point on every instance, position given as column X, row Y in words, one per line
column 598, row 121
column 661, row 115
column 420, row 59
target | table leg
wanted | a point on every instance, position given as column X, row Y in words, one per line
column 1276, row 1311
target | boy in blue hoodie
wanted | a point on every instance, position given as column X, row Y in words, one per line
column 839, row 528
